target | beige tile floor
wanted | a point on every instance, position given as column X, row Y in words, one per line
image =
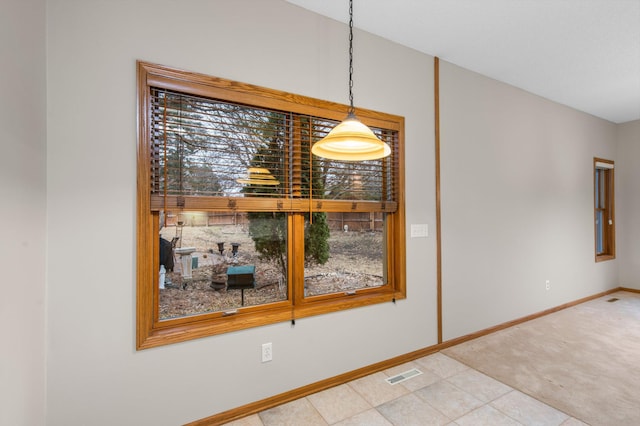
column 447, row 393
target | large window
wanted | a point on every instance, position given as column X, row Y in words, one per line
column 605, row 241
column 239, row 225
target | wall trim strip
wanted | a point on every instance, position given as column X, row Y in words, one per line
column 436, row 92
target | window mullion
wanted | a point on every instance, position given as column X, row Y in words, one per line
column 608, row 225
column 295, row 248
column 296, row 160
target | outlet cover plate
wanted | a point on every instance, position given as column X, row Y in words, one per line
column 267, row 352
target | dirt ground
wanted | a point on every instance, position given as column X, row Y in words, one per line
column 355, row 262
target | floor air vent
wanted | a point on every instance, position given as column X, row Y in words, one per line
column 403, row 376
column 613, row 299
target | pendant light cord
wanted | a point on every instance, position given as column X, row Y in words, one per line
column 351, row 108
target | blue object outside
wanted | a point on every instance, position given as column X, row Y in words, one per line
column 240, row 270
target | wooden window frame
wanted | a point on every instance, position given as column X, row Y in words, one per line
column 608, row 192
column 153, row 332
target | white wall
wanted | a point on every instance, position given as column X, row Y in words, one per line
column 22, row 212
column 95, row 376
column 517, row 202
column 628, row 204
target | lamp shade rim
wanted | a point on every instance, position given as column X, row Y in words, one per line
column 258, row 176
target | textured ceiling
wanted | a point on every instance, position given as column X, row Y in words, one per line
column 581, row 53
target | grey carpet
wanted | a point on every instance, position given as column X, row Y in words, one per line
column 584, row 360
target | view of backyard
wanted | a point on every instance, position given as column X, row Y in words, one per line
column 355, row 261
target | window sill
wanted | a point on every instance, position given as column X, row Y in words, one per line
column 605, row 257
column 174, row 331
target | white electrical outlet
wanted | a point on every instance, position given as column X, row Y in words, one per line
column 267, row 352
column 548, row 285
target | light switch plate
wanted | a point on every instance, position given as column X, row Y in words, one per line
column 419, row 230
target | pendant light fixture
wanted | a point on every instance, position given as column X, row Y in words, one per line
column 351, row 140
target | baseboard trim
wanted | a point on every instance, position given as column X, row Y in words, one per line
column 283, row 398
column 508, row 324
column 256, row 407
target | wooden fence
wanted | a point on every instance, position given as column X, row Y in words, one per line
column 341, row 221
